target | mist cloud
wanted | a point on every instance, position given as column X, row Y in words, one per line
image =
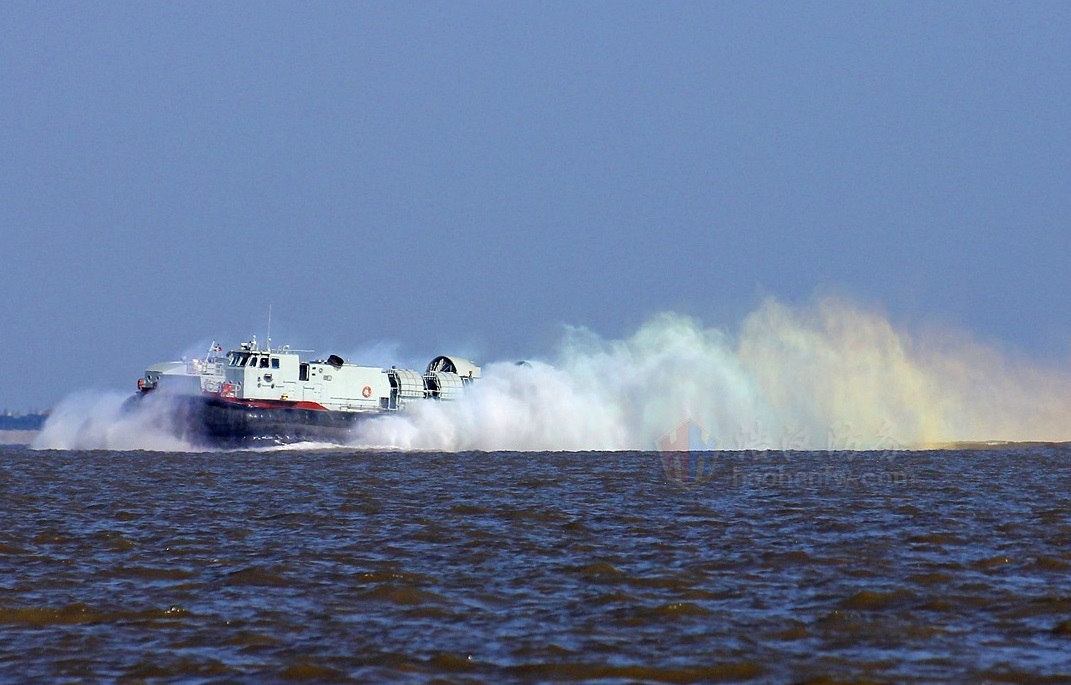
column 828, row 375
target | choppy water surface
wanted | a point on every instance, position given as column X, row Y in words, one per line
column 949, row 566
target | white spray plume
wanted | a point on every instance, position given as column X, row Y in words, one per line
column 830, row 375
column 97, row 420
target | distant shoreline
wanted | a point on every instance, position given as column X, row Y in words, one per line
column 998, row 444
column 34, row 421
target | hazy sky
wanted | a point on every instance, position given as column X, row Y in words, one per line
column 467, row 177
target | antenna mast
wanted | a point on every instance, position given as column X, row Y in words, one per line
column 269, row 327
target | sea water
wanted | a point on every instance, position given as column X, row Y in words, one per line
column 372, row 566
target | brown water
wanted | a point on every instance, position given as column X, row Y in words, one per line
column 949, row 566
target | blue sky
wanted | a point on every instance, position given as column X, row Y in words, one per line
column 470, row 176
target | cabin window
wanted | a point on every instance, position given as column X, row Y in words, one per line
column 263, row 362
column 253, row 360
column 303, row 372
column 274, row 362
